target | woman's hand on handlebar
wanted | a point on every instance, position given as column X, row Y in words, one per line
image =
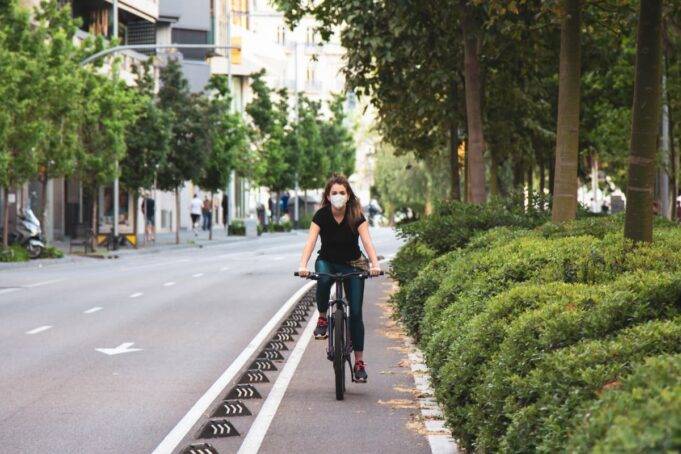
column 303, row 272
column 374, row 270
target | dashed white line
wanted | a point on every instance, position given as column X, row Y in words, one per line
column 92, row 310
column 9, row 290
column 280, row 257
column 198, row 275
column 39, row 284
column 136, row 295
column 224, row 268
column 168, row 284
column 39, row 329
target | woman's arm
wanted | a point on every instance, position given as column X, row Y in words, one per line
column 363, row 230
column 307, row 250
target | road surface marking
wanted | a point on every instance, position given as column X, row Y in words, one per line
column 198, row 275
column 39, row 284
column 9, row 290
column 93, row 310
column 123, row 348
column 262, row 422
column 168, row 284
column 173, row 439
column 136, row 295
column 224, row 268
column 39, row 329
column 280, row 257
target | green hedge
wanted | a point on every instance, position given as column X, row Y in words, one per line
column 643, row 414
column 498, row 315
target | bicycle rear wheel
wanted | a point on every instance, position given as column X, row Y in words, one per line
column 339, row 351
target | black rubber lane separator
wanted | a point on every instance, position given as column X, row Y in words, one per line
column 219, row 428
column 271, row 355
column 231, row 408
column 291, row 323
column 276, row 345
column 282, row 338
column 203, row 448
column 243, row 391
column 287, row 330
column 263, row 364
column 254, row 376
column 297, row 317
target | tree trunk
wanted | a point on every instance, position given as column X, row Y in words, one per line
column 210, row 220
column 530, row 187
column 177, row 215
column 455, row 180
column 5, row 217
column 135, row 221
column 43, row 204
column 476, row 140
column 674, row 157
column 638, row 224
column 518, row 174
column 467, row 180
column 542, row 176
column 567, row 134
column 93, row 219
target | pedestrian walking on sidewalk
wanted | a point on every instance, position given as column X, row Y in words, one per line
column 195, row 208
column 206, row 212
column 149, row 210
column 340, row 223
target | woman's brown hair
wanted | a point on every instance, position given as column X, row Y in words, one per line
column 353, row 209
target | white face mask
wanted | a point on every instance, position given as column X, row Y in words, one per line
column 338, row 201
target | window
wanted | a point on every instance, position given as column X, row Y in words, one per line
column 186, row 36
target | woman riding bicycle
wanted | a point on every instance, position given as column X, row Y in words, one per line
column 340, row 223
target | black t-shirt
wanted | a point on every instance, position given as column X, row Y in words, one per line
column 339, row 242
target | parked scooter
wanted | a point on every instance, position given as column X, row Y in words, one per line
column 28, row 234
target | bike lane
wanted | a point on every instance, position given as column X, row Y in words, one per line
column 379, row 416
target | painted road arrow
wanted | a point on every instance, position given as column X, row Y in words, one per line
column 123, row 348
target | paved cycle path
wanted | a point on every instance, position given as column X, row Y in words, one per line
column 379, row 416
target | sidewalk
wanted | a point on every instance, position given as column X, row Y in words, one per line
column 166, row 241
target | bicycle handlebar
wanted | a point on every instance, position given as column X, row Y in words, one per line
column 361, row 274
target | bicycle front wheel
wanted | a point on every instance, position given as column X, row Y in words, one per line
column 339, row 352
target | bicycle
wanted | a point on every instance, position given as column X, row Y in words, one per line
column 339, row 349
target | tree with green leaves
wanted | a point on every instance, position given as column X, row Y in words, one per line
column 58, row 57
column 21, row 131
column 309, row 152
column 108, row 110
column 147, row 140
column 269, row 114
column 337, row 138
column 188, row 150
column 227, row 139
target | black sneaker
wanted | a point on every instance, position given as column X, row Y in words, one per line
column 360, row 373
column 322, row 327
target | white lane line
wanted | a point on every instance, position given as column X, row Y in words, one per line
column 257, row 432
column 92, row 310
column 136, row 295
column 224, row 268
column 39, row 329
column 9, row 290
column 278, row 258
column 198, row 275
column 168, row 284
column 173, row 439
column 40, row 284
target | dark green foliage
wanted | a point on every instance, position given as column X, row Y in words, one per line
column 453, row 224
column 639, row 414
column 410, row 260
column 524, row 329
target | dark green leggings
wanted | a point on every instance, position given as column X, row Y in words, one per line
column 354, row 293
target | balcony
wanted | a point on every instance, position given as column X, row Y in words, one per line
column 145, row 9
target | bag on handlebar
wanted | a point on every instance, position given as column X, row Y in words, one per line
column 361, row 263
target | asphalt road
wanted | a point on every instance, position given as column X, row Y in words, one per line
column 166, row 325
